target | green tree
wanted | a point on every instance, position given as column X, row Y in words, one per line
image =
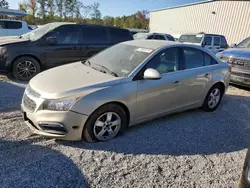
column 4, row 4
column 42, row 8
column 51, row 7
column 107, row 20
column 96, row 13
column 32, row 5
column 59, row 5
column 23, row 6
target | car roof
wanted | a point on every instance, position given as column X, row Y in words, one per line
column 207, row 34
column 160, row 34
column 159, row 44
column 152, row 44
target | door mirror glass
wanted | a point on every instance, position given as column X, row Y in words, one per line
column 203, row 44
column 51, row 40
column 151, row 74
column 233, row 45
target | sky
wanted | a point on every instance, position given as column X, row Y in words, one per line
column 125, row 7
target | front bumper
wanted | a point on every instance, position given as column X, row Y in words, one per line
column 240, row 77
column 70, row 124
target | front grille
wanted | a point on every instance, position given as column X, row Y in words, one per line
column 240, row 74
column 32, row 92
column 28, row 103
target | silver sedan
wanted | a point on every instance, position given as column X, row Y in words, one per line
column 122, row 86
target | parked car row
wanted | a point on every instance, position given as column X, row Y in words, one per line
column 56, row 44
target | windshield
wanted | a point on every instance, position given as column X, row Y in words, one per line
column 39, row 32
column 120, row 59
column 191, row 38
column 244, row 44
column 140, row 36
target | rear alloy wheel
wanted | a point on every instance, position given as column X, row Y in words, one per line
column 213, row 98
column 105, row 123
column 25, row 68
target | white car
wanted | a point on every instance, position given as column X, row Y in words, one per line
column 13, row 27
column 213, row 42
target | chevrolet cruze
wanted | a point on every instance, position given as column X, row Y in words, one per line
column 126, row 84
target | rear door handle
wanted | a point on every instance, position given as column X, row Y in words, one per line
column 176, row 83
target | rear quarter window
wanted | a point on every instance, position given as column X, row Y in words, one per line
column 119, row 35
column 170, row 38
column 208, row 60
column 223, row 42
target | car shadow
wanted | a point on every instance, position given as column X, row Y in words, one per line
column 25, row 164
column 189, row 133
column 10, row 96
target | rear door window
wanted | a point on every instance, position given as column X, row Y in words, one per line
column 119, row 35
column 216, row 41
column 94, row 35
column 13, row 25
column 159, row 37
column 193, row 58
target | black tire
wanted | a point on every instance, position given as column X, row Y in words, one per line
column 88, row 130
column 26, row 76
column 205, row 105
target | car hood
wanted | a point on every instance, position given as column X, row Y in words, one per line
column 71, row 80
column 11, row 40
column 237, row 52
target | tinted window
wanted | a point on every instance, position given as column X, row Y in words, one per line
column 208, row 60
column 120, row 35
column 170, row 38
column 94, row 35
column 66, row 35
column 216, row 41
column 159, row 37
column 165, row 61
column 193, row 58
column 223, row 42
column 13, row 25
column 151, row 37
column 208, row 41
column 2, row 24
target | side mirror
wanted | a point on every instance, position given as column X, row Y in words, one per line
column 203, row 44
column 51, row 40
column 233, row 45
column 151, row 74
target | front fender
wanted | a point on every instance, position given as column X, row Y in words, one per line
column 124, row 93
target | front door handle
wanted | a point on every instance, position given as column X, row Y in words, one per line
column 207, row 75
column 176, row 83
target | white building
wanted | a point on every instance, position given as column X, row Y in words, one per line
column 229, row 18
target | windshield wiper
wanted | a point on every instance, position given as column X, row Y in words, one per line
column 103, row 68
column 106, row 70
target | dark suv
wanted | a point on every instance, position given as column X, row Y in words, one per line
column 56, row 44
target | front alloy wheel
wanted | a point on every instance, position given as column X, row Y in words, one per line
column 107, row 126
column 105, row 123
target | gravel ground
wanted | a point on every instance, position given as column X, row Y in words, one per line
column 190, row 149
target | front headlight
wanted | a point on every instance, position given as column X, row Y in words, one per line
column 59, row 105
column 3, row 50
